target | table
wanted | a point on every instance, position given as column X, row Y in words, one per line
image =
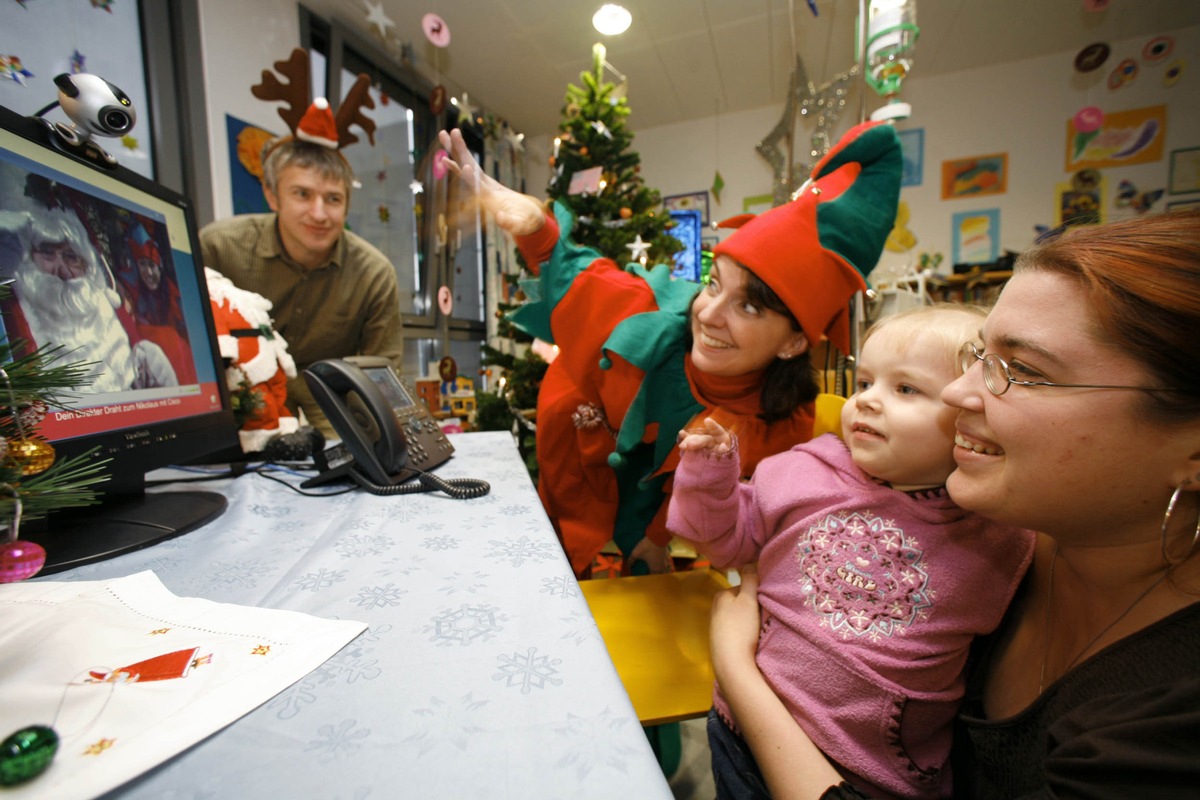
column 482, row 673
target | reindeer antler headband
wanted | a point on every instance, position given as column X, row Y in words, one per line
column 314, row 122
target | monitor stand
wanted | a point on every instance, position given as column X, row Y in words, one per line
column 120, row 525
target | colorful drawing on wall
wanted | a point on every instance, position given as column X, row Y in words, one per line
column 1185, row 171
column 912, row 153
column 757, row 204
column 687, row 230
column 974, row 177
column 976, row 236
column 1123, row 138
column 1075, row 206
column 245, row 165
column 695, row 201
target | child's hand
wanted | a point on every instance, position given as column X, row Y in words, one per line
column 712, row 438
column 734, row 626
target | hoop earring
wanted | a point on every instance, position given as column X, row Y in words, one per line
column 1166, row 521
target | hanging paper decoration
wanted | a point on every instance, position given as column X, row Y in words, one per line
column 717, row 185
column 1095, row 5
column 77, row 61
column 436, row 30
column 1174, row 72
column 129, row 142
column 439, row 164
column 1158, row 48
column 1088, row 119
column 437, row 99
column 1123, row 75
column 106, row 5
column 376, row 17
column 385, row 214
column 11, row 68
column 1091, row 57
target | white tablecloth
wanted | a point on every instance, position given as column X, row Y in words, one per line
column 481, row 675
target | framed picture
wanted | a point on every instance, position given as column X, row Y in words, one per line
column 912, row 151
column 696, row 201
column 687, row 229
column 1190, row 203
column 976, row 236
column 975, row 176
column 1124, row 137
column 1185, row 171
column 1074, row 206
column 757, row 204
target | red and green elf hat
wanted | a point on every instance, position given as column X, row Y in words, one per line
column 814, row 250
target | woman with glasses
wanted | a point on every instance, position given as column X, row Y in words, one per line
column 1079, row 417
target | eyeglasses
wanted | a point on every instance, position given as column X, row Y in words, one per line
column 998, row 377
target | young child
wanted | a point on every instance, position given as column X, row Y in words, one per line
column 873, row 583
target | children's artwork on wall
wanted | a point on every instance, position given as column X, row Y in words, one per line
column 912, row 153
column 1124, row 137
column 974, row 177
column 245, row 165
column 976, row 236
column 695, row 201
column 687, row 229
column 1185, row 171
column 757, row 204
column 1078, row 206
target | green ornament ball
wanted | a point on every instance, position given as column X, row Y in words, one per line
column 26, row 754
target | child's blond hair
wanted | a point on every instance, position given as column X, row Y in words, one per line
column 954, row 323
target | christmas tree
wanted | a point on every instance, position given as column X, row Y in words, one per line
column 599, row 178
column 32, row 482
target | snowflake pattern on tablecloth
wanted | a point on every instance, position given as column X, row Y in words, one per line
column 361, row 545
column 372, row 597
column 442, row 722
column 400, row 565
column 588, row 742
column 316, row 581
column 564, row 586
column 270, row 512
column 441, row 543
column 465, row 625
column 863, row 576
column 518, row 551
column 581, row 627
column 459, row 582
column 529, row 671
column 334, row 742
column 242, row 574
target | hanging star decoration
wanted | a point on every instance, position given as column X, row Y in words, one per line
column 515, row 140
column 376, row 17
column 129, row 142
column 638, row 248
column 417, row 187
column 602, row 129
column 385, row 214
column 77, row 61
column 827, row 102
column 106, row 5
column 11, row 68
column 466, row 111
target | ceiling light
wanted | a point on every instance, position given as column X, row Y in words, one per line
column 611, row 19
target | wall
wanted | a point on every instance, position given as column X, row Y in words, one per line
column 1020, row 108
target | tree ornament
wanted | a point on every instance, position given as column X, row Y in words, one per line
column 18, row 559
column 33, row 455
column 626, row 212
column 583, row 151
column 26, row 754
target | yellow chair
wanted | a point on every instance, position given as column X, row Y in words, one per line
column 656, row 626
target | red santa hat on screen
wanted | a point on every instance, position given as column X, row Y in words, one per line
column 318, row 125
column 814, row 250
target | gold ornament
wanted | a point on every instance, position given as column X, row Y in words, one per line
column 33, row 455
column 626, row 213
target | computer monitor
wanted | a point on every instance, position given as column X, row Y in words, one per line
column 106, row 265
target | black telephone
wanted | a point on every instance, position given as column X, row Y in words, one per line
column 387, row 437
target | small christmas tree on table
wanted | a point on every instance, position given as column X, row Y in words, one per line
column 32, row 482
column 599, row 178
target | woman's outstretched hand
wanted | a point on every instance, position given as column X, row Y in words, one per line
column 518, row 214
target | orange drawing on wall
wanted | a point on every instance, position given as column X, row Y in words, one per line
column 1128, row 137
column 975, row 176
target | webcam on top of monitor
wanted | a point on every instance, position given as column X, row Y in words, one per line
column 96, row 108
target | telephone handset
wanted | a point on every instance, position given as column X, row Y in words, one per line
column 387, row 437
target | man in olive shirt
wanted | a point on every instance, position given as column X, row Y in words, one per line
column 333, row 293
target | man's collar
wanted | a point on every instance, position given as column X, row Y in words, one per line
column 272, row 247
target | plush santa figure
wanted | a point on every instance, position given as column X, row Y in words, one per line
column 256, row 354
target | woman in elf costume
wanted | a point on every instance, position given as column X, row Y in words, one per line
column 642, row 356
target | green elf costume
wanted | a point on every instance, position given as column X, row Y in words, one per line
column 623, row 384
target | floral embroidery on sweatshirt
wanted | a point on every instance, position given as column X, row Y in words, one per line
column 863, row 576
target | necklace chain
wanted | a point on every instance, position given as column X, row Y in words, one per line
column 1097, row 637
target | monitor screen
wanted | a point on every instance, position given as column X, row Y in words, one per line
column 104, row 265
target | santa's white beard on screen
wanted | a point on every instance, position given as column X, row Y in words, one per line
column 78, row 315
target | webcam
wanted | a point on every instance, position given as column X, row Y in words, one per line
column 96, row 108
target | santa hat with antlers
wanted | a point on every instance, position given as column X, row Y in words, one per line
column 314, row 121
